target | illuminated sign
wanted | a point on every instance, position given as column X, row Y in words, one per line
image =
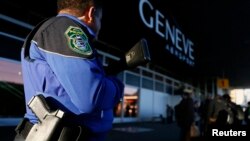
column 223, row 83
column 177, row 43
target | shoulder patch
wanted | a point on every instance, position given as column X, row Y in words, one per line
column 78, row 41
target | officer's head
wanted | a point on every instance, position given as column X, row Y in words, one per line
column 226, row 97
column 88, row 11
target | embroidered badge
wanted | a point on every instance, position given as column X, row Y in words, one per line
column 78, row 41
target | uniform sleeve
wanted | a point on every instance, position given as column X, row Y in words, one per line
column 70, row 56
column 85, row 83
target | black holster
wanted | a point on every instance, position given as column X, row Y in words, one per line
column 53, row 125
column 65, row 133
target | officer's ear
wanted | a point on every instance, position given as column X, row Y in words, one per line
column 88, row 15
column 91, row 14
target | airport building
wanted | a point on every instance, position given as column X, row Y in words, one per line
column 149, row 89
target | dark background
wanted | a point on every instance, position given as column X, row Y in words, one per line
column 220, row 31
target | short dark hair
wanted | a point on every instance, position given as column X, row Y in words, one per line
column 80, row 5
column 226, row 97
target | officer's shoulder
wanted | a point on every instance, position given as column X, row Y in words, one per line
column 55, row 25
column 57, row 21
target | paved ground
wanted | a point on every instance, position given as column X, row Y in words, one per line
column 149, row 131
column 146, row 131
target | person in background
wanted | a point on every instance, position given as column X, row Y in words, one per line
column 60, row 62
column 235, row 112
column 184, row 113
column 197, row 115
column 221, row 113
column 214, row 107
column 204, row 114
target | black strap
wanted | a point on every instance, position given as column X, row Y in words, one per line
column 28, row 39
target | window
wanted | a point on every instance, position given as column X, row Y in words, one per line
column 147, row 83
column 159, row 86
column 133, row 80
column 169, row 89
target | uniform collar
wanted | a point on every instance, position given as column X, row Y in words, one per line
column 79, row 21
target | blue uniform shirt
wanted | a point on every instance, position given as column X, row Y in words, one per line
column 65, row 69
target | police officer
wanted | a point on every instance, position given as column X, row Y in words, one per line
column 61, row 63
